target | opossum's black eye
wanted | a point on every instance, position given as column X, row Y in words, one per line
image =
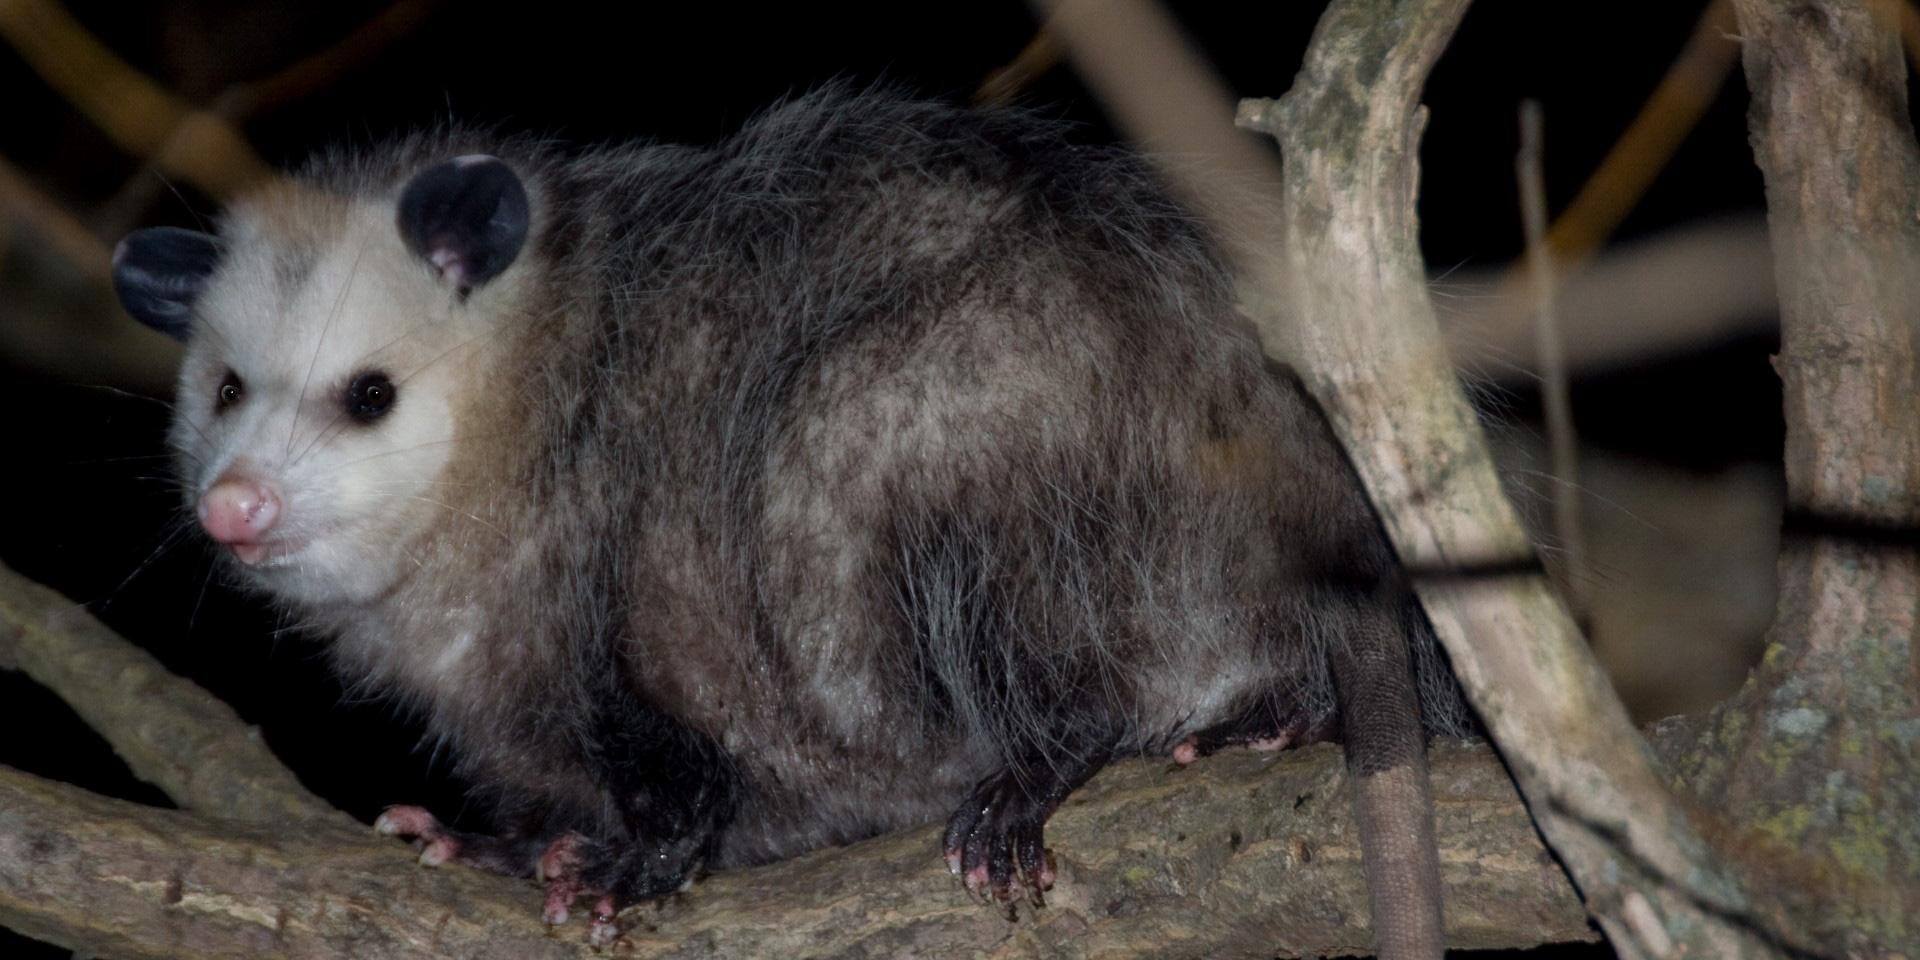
column 229, row 392
column 369, row 396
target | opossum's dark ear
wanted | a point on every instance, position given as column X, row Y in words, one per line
column 158, row 273
column 468, row 217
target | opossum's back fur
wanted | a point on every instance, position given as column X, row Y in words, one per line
column 883, row 444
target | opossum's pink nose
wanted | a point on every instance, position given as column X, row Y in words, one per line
column 239, row 509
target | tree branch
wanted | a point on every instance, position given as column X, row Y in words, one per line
column 1821, row 750
column 107, row 877
column 1242, row 854
column 170, row 732
column 1550, row 349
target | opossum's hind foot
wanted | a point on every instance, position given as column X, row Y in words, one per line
column 438, row 844
column 614, row 875
column 566, row 865
column 1263, row 731
column 563, row 868
column 995, row 843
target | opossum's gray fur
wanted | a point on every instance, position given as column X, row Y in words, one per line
column 882, row 446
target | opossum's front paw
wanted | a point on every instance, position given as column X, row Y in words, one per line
column 513, row 856
column 995, row 842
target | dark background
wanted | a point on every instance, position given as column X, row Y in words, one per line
column 90, row 506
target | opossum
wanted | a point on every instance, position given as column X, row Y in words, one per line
column 886, row 461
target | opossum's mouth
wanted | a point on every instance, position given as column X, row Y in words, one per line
column 266, row 553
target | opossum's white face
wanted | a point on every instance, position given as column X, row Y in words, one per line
column 317, row 404
column 314, row 418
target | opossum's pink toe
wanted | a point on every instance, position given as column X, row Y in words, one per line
column 559, row 905
column 1187, row 752
column 976, row 879
column 1044, row 877
column 439, row 850
column 407, row 821
column 602, row 927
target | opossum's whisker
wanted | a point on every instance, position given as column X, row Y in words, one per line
column 175, row 535
column 450, row 351
column 410, row 448
column 339, row 417
column 207, row 323
column 459, row 512
column 319, row 343
column 194, row 617
column 167, row 405
column 416, row 327
column 466, row 484
column 131, row 458
column 128, row 394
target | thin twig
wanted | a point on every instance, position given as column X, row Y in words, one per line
column 1553, row 366
column 1685, row 92
column 1041, row 54
column 1910, row 32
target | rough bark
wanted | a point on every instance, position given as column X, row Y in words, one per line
column 1820, row 752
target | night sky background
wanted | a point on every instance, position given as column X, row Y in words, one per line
column 89, row 504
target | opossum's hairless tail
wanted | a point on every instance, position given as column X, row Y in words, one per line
column 1387, row 759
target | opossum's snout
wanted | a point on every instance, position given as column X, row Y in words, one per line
column 240, row 511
